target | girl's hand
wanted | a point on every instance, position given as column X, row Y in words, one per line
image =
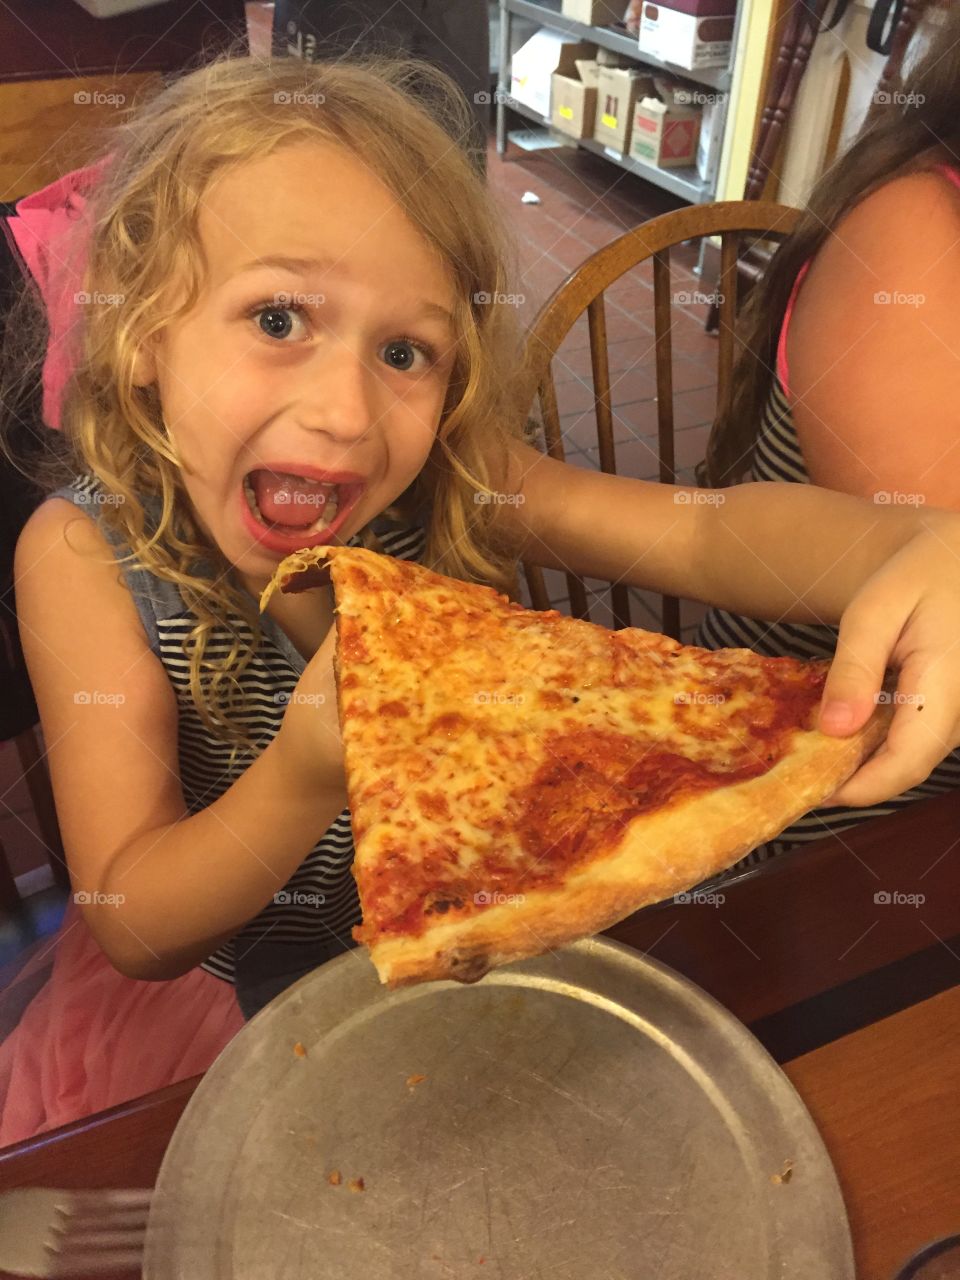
column 906, row 616
column 309, row 735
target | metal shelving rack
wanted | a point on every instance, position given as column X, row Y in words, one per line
column 684, row 182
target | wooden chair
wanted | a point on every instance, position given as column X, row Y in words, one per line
column 584, row 291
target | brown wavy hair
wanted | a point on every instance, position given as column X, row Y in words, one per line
column 911, row 131
column 398, row 114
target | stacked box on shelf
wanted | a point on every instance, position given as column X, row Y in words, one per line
column 595, row 13
column 617, row 91
column 688, row 33
column 573, row 108
column 533, row 66
column 666, row 124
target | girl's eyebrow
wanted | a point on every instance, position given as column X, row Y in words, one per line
column 289, row 264
column 431, row 309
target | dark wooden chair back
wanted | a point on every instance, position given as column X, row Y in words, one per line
column 584, row 291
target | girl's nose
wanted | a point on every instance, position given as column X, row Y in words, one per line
column 337, row 394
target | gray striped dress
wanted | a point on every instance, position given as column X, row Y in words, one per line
column 311, row 917
column 778, row 456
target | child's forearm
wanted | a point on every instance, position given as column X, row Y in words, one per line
column 765, row 550
column 797, row 552
column 189, row 887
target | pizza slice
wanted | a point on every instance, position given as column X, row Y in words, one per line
column 518, row 780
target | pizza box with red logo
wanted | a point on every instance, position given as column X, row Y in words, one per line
column 688, row 33
column 665, row 126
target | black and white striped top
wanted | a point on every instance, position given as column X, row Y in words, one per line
column 311, row 917
column 778, row 456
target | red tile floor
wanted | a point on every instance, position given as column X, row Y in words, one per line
column 585, row 202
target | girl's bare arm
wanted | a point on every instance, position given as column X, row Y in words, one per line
column 769, row 551
column 160, row 889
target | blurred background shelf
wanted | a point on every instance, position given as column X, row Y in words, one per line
column 518, row 19
column 685, row 183
column 618, row 40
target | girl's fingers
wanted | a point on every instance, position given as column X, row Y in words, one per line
column 921, row 733
column 877, row 780
column 856, row 673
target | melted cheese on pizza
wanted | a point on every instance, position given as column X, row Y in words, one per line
column 490, row 750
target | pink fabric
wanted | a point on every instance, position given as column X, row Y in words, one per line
column 91, row 1038
column 782, row 371
column 951, row 174
column 52, row 236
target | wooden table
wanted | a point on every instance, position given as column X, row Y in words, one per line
column 856, row 995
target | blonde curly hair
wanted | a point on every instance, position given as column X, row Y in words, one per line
column 144, row 219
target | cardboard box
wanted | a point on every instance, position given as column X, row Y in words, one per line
column 533, row 65
column 617, row 92
column 573, row 103
column 598, row 13
column 609, row 58
column 710, row 142
column 688, row 33
column 665, row 131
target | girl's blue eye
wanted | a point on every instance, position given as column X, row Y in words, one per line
column 402, row 352
column 279, row 321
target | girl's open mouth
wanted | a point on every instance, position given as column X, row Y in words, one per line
column 290, row 510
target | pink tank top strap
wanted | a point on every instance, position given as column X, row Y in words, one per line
column 951, row 174
column 783, row 373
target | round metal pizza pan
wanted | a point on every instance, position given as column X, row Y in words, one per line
column 587, row 1115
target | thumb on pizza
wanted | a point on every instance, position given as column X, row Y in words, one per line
column 854, row 681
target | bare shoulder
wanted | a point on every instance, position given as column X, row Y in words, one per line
column 107, row 707
column 871, row 347
column 58, row 526
column 62, row 559
column 904, row 230
column 896, row 206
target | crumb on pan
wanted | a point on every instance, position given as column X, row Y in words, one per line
column 335, row 1178
column 299, row 1050
column 356, row 1184
column 785, row 1174
column 415, row 1080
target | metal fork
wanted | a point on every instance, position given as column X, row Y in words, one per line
column 48, row 1233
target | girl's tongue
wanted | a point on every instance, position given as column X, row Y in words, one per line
column 292, row 501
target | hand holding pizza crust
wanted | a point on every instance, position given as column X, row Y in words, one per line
column 902, row 618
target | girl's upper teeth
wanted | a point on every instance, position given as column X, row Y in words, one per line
column 292, row 475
